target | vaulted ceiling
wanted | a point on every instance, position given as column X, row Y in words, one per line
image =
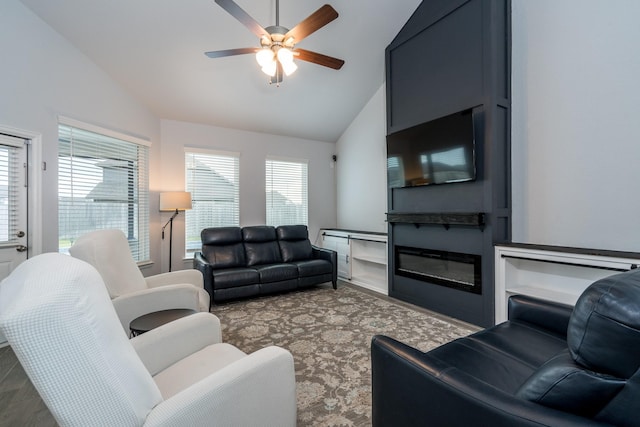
column 155, row 50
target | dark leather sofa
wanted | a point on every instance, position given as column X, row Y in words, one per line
column 242, row 262
column 546, row 366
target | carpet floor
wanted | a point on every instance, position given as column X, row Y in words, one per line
column 329, row 334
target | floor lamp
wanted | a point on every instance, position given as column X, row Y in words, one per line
column 173, row 201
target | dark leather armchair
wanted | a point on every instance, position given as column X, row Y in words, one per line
column 546, row 366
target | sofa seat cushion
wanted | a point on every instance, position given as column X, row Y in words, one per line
column 313, row 267
column 195, row 367
column 233, row 277
column 504, row 356
column 277, row 272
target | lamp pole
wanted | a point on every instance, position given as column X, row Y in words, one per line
column 173, row 201
column 170, row 224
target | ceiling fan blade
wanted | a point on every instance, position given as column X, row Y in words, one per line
column 320, row 59
column 242, row 16
column 231, row 52
column 312, row 23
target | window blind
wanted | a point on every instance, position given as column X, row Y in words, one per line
column 286, row 192
column 213, row 180
column 102, row 183
column 10, row 182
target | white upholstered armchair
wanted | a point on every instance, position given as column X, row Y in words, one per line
column 132, row 294
column 57, row 316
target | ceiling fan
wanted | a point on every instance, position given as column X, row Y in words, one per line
column 277, row 44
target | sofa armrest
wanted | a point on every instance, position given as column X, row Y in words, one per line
column 332, row 257
column 548, row 315
column 411, row 388
column 201, row 264
column 258, row 389
column 161, row 347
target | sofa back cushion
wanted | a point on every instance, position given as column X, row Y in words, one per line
column 604, row 328
column 294, row 242
column 108, row 252
column 261, row 245
column 222, row 247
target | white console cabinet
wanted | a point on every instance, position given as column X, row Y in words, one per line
column 552, row 273
column 362, row 257
column 339, row 242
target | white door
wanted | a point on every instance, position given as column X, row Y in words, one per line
column 13, row 205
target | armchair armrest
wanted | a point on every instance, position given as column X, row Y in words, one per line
column 171, row 278
column 163, row 346
column 201, row 264
column 332, row 257
column 411, row 388
column 548, row 315
column 256, row 390
column 191, row 277
column 135, row 304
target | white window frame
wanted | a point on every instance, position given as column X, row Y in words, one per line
column 196, row 218
column 11, row 176
column 137, row 227
column 299, row 191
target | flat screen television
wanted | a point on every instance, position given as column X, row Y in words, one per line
column 440, row 151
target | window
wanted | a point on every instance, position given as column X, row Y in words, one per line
column 11, row 187
column 102, row 183
column 286, row 191
column 213, row 180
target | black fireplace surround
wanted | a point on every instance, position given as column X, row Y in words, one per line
column 452, row 56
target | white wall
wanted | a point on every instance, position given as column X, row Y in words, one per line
column 43, row 76
column 253, row 148
column 575, row 132
column 361, row 169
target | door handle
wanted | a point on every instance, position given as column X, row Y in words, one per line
column 21, row 248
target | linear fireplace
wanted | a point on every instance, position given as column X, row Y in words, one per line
column 450, row 269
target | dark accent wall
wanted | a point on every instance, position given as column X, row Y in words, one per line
column 450, row 56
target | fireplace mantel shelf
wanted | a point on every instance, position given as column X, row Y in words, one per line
column 445, row 219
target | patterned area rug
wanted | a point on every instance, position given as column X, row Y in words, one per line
column 329, row 334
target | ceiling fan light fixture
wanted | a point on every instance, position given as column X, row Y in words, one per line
column 285, row 57
column 270, row 69
column 265, row 57
column 289, row 67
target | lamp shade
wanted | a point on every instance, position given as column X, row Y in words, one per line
column 175, row 200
